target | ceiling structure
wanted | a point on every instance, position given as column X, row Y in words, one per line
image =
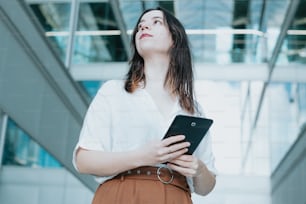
column 221, row 32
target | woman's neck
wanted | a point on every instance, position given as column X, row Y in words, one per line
column 156, row 69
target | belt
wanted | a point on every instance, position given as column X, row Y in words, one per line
column 163, row 174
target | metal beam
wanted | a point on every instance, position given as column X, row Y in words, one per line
column 120, row 21
column 203, row 71
column 74, row 11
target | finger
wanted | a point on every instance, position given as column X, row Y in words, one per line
column 186, row 158
column 170, row 156
column 186, row 161
column 182, row 170
column 173, row 139
column 180, row 163
column 178, row 146
column 177, row 154
column 175, row 148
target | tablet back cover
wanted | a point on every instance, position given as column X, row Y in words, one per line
column 194, row 129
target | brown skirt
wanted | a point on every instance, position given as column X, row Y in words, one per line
column 143, row 187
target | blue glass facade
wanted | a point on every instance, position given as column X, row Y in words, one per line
column 21, row 150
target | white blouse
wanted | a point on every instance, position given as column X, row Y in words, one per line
column 118, row 121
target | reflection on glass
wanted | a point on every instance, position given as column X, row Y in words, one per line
column 59, row 44
column 90, row 49
column 96, row 16
column 96, row 46
column 130, row 12
column 218, row 47
column 52, row 16
column 275, row 13
column 54, row 19
column 20, row 150
column 294, row 49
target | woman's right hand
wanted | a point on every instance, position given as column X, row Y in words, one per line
column 157, row 152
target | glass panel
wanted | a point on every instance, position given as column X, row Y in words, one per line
column 130, row 12
column 211, row 30
column 283, row 113
column 255, row 14
column 90, row 49
column 168, row 5
column 301, row 103
column 275, row 13
column 54, row 19
column 59, row 44
column 219, row 48
column 294, row 47
column 96, row 45
column 205, row 14
column 96, row 16
column 20, row 150
column 52, row 16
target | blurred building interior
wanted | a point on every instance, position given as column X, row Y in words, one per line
column 249, row 59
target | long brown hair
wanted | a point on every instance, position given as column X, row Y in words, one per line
column 179, row 78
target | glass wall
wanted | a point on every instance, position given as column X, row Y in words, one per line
column 54, row 19
column 21, row 150
column 286, row 112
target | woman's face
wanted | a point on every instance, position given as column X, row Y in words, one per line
column 153, row 35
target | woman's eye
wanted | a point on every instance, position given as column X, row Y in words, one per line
column 157, row 22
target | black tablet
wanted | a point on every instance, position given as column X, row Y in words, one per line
column 194, row 129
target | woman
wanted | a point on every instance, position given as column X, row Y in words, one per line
column 120, row 142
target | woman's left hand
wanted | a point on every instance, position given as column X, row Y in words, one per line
column 186, row 165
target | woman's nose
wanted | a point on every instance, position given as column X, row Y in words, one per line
column 144, row 26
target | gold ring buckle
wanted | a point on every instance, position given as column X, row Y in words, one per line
column 159, row 172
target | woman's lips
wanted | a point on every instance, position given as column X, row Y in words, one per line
column 144, row 35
